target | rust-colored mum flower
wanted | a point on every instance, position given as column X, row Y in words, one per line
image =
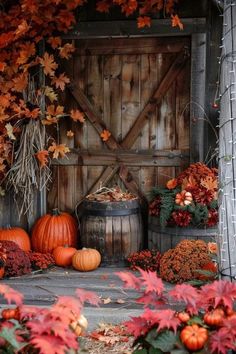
column 181, row 217
column 172, row 183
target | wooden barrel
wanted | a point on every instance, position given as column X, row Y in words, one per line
column 113, row 228
column 164, row 238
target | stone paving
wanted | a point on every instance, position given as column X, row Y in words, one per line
column 42, row 289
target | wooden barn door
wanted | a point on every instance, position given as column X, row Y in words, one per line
column 139, row 90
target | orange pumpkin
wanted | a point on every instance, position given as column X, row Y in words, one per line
column 183, row 198
column 214, row 318
column 51, row 231
column 86, row 259
column 13, row 313
column 63, row 255
column 17, row 235
column 183, row 316
column 194, row 337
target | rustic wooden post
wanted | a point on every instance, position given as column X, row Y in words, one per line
column 227, row 144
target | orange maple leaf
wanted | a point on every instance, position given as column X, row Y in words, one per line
column 58, row 150
column 20, row 82
column 103, row 6
column 105, row 135
column 209, row 183
column 60, row 81
column 175, row 21
column 5, row 100
column 42, row 157
column 55, row 110
column 76, row 115
column 27, row 50
column 70, row 134
column 6, row 38
column 48, row 64
column 3, row 114
column 55, row 42
column 2, row 66
column 22, row 29
column 144, row 21
column 66, row 51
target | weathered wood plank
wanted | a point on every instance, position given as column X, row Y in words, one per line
column 123, row 46
column 165, row 84
column 109, row 29
column 132, row 158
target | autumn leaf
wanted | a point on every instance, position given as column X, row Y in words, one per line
column 137, row 326
column 60, row 81
column 166, row 319
column 143, row 21
column 130, row 280
column 22, row 28
column 120, row 301
column 105, row 135
column 103, row 6
column 5, row 100
column 87, row 296
column 66, row 51
column 3, row 114
column 48, row 64
column 209, row 183
column 2, row 66
column 175, row 21
column 151, row 281
column 27, row 50
column 55, row 42
column 53, row 110
column 49, row 120
column 42, row 157
column 70, row 134
column 77, row 115
column 106, row 301
column 58, row 150
column 186, row 293
column 11, row 295
column 48, row 91
column 219, row 292
column 221, row 340
column 9, row 129
column 20, row 82
column 49, row 344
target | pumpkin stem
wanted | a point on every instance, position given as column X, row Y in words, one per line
column 55, row 212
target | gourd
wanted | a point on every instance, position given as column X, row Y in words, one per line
column 183, row 198
column 17, row 235
column 63, row 255
column 194, row 337
column 53, row 230
column 214, row 317
column 79, row 326
column 86, row 259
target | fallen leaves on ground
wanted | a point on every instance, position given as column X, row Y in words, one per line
column 109, row 338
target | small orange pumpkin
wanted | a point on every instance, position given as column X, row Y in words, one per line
column 54, row 230
column 86, row 259
column 183, row 316
column 214, row 318
column 17, row 235
column 183, row 198
column 63, row 255
column 194, row 337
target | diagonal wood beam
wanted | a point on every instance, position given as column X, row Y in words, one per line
column 155, row 100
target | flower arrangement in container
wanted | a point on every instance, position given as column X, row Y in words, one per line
column 189, row 199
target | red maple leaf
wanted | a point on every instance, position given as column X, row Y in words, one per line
column 219, row 292
column 103, row 6
column 49, row 344
column 130, row 280
column 186, row 293
column 11, row 295
column 137, row 326
column 151, row 281
column 221, row 341
column 167, row 319
column 87, row 296
column 144, row 21
column 151, row 299
column 230, row 324
column 67, row 307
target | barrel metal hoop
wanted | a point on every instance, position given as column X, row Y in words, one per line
column 114, row 212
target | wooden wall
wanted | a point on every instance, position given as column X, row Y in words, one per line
column 119, row 78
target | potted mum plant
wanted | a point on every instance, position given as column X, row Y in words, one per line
column 187, row 205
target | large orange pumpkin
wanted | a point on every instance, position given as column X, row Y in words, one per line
column 17, row 235
column 51, row 231
column 194, row 337
column 63, row 255
column 86, row 259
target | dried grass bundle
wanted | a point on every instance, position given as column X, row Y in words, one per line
column 25, row 176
